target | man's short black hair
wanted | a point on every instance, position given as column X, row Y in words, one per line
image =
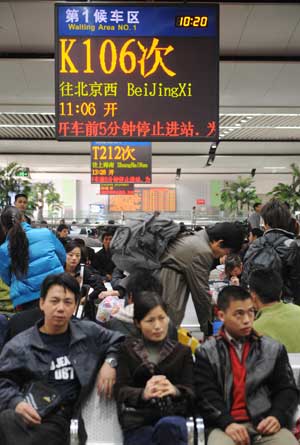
column 276, row 215
column 267, row 283
column 232, row 234
column 256, row 205
column 20, row 195
column 62, row 279
column 231, row 293
column 257, row 232
column 105, row 234
column 62, row 227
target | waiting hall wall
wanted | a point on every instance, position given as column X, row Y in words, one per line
column 190, row 187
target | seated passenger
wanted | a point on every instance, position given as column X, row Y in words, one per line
column 154, row 387
column 122, row 320
column 62, row 233
column 102, row 261
column 274, row 318
column 87, row 253
column 233, row 269
column 49, row 369
column 73, row 266
column 246, row 392
column 26, row 257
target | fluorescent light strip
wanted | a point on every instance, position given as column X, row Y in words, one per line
column 27, row 126
column 27, row 112
column 250, row 115
column 240, row 127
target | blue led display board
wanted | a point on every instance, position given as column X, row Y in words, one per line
column 137, row 72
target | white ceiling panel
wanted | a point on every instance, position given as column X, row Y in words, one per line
column 269, row 29
column 251, row 82
column 9, row 38
column 12, row 81
column 236, row 16
column 285, row 87
column 39, row 75
column 194, row 164
column 293, row 45
column 35, row 19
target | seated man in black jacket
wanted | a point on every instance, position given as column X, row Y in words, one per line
column 49, row 369
column 102, row 261
column 245, row 387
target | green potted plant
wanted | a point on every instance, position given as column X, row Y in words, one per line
column 289, row 193
column 238, row 196
column 11, row 182
column 42, row 193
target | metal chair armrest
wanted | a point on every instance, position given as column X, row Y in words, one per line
column 74, row 432
column 200, row 430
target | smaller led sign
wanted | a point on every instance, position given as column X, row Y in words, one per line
column 117, row 189
column 121, row 162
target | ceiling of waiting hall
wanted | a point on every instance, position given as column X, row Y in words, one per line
column 259, row 70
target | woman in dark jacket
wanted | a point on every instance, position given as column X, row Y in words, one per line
column 154, row 388
column 89, row 276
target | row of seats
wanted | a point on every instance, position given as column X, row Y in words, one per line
column 102, row 425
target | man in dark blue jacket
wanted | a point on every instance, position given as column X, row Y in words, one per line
column 47, row 371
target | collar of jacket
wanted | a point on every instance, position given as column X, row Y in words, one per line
column 280, row 232
column 139, row 348
column 76, row 334
column 26, row 226
column 254, row 336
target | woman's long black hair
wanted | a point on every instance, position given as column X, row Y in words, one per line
column 144, row 302
column 11, row 219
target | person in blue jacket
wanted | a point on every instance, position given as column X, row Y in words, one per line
column 26, row 257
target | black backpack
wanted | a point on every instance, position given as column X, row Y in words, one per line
column 141, row 242
column 262, row 255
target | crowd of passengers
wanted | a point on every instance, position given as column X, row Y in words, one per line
column 240, row 380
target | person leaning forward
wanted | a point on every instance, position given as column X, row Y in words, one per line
column 186, row 266
column 58, row 357
column 245, row 387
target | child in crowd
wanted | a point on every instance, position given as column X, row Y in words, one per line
column 233, row 269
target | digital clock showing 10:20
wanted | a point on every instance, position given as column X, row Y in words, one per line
column 195, row 21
